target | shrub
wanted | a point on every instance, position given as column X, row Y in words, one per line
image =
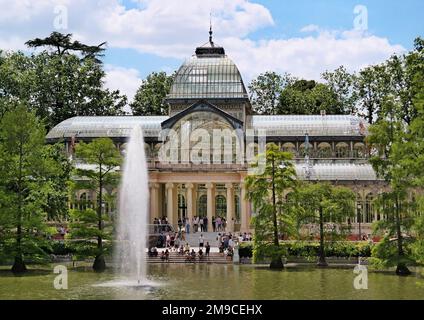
column 310, row 249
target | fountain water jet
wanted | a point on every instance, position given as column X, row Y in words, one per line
column 133, row 210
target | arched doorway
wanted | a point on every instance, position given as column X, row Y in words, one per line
column 221, row 206
column 202, row 206
column 182, row 207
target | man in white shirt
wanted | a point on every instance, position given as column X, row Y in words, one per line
column 201, row 240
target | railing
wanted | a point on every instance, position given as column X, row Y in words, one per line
column 191, row 166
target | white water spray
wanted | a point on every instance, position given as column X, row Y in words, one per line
column 133, row 210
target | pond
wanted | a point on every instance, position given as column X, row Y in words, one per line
column 202, row 281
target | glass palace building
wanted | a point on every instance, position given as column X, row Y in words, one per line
column 208, row 94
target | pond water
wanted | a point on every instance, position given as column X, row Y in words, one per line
column 202, row 281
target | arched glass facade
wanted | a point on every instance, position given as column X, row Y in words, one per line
column 206, row 136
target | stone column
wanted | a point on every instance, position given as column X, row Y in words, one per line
column 230, row 207
column 210, row 204
column 170, row 202
column 154, row 201
column 244, row 210
column 190, row 207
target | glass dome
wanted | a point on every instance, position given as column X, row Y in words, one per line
column 208, row 77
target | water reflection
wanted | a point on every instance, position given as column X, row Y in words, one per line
column 203, row 282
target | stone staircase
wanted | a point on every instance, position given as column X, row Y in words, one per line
column 193, row 239
column 174, row 257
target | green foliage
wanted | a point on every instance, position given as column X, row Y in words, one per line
column 59, row 85
column 318, row 203
column 397, row 140
column 265, row 190
column 58, row 182
column 150, row 97
column 418, row 245
column 85, row 233
column 341, row 82
column 30, row 172
column 385, row 253
column 62, row 44
column 90, row 230
column 308, row 97
column 265, row 91
column 310, row 249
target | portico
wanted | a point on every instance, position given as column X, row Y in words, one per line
column 185, row 195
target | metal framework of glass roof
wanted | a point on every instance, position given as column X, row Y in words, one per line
column 336, row 171
column 203, row 77
column 314, row 125
column 281, row 125
column 112, row 127
column 318, row 172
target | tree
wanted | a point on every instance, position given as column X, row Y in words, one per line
column 59, row 84
column 389, row 140
column 90, row 227
column 321, row 203
column 395, row 248
column 29, row 176
column 62, row 44
column 150, row 97
column 57, row 195
column 308, row 97
column 265, row 190
column 265, row 91
column 341, row 82
column 397, row 139
column 66, row 86
column 372, row 86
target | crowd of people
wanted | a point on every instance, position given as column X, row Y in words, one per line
column 183, row 250
column 200, row 224
column 226, row 243
column 196, row 224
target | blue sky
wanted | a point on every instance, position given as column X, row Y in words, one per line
column 303, row 37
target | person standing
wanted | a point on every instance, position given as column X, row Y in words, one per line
column 213, row 224
column 205, row 224
column 201, row 224
column 208, row 249
column 187, row 223
column 196, row 223
column 201, row 240
column 218, row 223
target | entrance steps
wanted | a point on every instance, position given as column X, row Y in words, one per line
column 174, row 257
column 193, row 239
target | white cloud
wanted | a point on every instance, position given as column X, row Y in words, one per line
column 173, row 28
column 127, row 80
column 309, row 56
column 310, row 28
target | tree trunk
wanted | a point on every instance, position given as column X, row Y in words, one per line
column 277, row 262
column 19, row 264
column 401, row 269
column 321, row 260
column 99, row 264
